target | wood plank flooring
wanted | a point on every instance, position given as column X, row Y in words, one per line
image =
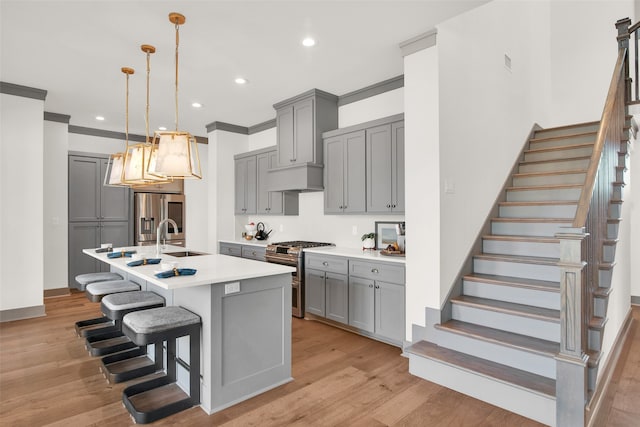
column 341, row 379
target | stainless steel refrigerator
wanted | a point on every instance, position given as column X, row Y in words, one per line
column 150, row 209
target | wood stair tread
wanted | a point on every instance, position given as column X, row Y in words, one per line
column 540, row 203
column 597, row 322
column 511, row 238
column 542, row 285
column 544, row 187
column 560, row 148
column 575, row 125
column 500, row 337
column 549, row 173
column 530, row 162
column 539, row 313
column 531, row 220
column 568, row 136
column 518, row 258
column 497, row 371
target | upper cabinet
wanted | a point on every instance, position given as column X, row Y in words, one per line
column 385, row 168
column 300, row 122
column 245, row 185
column 273, row 202
column 344, row 173
column 364, row 167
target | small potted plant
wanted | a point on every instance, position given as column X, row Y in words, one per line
column 369, row 241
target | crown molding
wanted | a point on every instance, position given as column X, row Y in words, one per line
column 23, row 91
column 55, row 117
column 419, row 42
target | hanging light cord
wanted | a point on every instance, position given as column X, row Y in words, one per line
column 177, row 43
column 126, row 127
column 146, row 116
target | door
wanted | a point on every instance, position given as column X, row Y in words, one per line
column 334, row 174
column 82, row 235
column 389, row 312
column 314, row 292
column 379, row 169
column 337, row 297
column 245, row 185
column 284, row 125
column 354, row 172
column 84, row 188
column 304, row 137
column 397, row 167
column 147, row 214
column 361, row 307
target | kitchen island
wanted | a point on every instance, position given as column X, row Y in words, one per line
column 245, row 307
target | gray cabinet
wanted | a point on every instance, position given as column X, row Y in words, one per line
column 232, row 249
column 327, row 287
column 376, row 299
column 254, row 252
column 97, row 214
column 245, row 185
column 272, row 202
column 300, row 122
column 344, row 173
column 385, row 168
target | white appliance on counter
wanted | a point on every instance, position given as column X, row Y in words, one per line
column 150, row 209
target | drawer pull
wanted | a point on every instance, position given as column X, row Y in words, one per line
column 371, row 286
column 325, row 263
column 377, row 286
column 374, row 271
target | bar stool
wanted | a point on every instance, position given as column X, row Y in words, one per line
column 88, row 327
column 85, row 279
column 134, row 363
column 158, row 398
column 109, row 340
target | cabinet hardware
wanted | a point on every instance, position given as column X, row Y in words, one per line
column 377, row 286
column 388, row 205
column 393, row 206
column 371, row 286
column 325, row 263
column 374, row 271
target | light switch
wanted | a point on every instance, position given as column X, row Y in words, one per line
column 449, row 187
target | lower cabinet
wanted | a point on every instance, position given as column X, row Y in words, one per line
column 369, row 299
column 245, row 251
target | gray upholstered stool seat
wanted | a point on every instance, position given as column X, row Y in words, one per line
column 84, row 279
column 116, row 306
column 158, row 325
column 96, row 291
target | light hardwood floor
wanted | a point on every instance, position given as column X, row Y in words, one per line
column 47, row 378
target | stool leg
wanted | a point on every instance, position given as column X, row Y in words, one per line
column 194, row 367
column 158, row 356
column 171, row 359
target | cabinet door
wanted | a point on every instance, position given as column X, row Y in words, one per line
column 114, row 201
column 389, row 312
column 379, row 169
column 82, row 235
column 354, row 172
column 334, row 175
column 252, row 185
column 315, row 292
column 84, row 188
column 361, row 303
column 276, row 198
column 263, row 202
column 284, row 125
column 240, row 183
column 304, row 131
column 337, row 297
column 397, row 167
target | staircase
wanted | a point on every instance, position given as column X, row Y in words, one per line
column 502, row 334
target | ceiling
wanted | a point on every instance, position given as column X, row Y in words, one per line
column 75, row 49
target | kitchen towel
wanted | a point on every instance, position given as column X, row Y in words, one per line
column 120, row 254
column 176, row 272
column 143, row 261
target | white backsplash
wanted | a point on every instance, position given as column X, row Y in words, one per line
column 313, row 225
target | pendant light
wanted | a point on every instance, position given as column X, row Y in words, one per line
column 176, row 151
column 114, row 176
column 139, row 155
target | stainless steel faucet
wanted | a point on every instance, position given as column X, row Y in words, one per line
column 175, row 231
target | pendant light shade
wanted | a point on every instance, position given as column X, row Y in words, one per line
column 176, row 152
column 138, row 156
column 114, row 176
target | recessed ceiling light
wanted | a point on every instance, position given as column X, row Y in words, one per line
column 162, row 128
column 308, row 42
column 241, row 81
column 196, row 105
column 100, row 118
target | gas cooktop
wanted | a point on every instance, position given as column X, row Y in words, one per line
column 300, row 244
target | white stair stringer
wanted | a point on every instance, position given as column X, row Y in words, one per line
column 521, row 400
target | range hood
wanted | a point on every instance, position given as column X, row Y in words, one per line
column 303, row 177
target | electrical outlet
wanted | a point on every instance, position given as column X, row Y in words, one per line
column 449, row 187
column 231, row 288
column 354, row 230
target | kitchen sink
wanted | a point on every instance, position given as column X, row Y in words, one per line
column 181, row 254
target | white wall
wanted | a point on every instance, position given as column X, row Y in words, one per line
column 95, row 144
column 382, row 105
column 197, row 209
column 422, row 185
column 55, row 193
column 632, row 200
column 486, row 112
column 21, row 202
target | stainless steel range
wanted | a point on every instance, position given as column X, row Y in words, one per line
column 292, row 254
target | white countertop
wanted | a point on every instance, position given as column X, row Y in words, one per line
column 252, row 242
column 368, row 254
column 212, row 269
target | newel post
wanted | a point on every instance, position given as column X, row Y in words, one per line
column 623, row 43
column 571, row 362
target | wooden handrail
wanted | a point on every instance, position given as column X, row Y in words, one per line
column 592, row 172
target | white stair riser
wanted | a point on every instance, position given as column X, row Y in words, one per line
column 551, row 132
column 546, row 229
column 560, row 142
column 542, row 195
column 612, row 230
column 517, row 269
column 604, row 277
column 514, row 294
column 507, row 322
column 532, row 156
column 592, row 376
column 615, row 210
column 505, row 355
column 618, row 191
column 554, row 166
column 524, row 248
column 595, row 339
column 538, row 211
column 600, row 306
column 512, row 398
column 622, row 159
column 609, row 252
column 556, row 179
